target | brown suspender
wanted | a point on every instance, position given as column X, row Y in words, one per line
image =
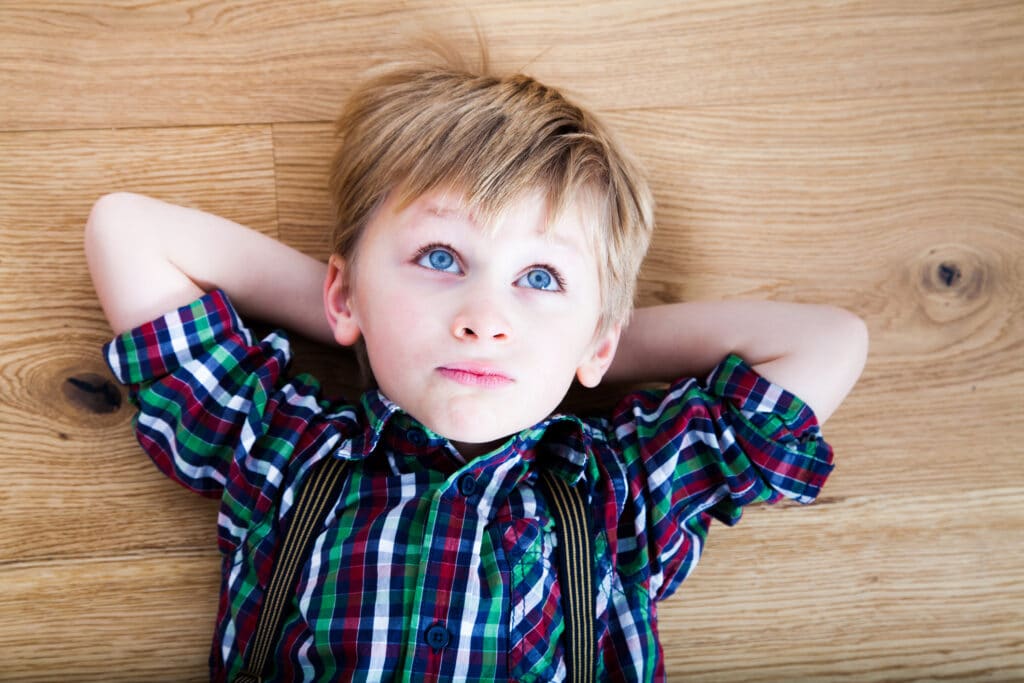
column 318, row 496
column 567, row 505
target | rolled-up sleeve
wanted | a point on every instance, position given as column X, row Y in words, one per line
column 218, row 414
column 201, row 386
column 695, row 451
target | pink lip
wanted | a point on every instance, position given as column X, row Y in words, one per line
column 474, row 374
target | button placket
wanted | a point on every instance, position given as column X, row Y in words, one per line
column 439, row 597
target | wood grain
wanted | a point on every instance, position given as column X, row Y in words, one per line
column 140, row 616
column 866, row 155
column 255, row 62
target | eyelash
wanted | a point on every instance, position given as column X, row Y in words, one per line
column 555, row 275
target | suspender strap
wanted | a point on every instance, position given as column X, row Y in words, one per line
column 575, row 573
column 319, row 493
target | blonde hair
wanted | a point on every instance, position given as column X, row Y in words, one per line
column 412, row 127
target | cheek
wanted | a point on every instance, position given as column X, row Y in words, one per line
column 410, row 316
column 561, row 348
column 574, row 328
column 393, row 324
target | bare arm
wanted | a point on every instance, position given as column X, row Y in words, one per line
column 814, row 351
column 148, row 257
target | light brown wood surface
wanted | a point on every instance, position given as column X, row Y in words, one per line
column 867, row 155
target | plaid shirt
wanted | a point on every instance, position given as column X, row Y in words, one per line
column 420, row 541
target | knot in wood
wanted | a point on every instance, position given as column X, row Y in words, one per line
column 954, row 280
column 949, row 273
column 93, row 393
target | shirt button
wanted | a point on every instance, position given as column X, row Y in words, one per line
column 437, row 636
column 467, row 485
column 416, row 437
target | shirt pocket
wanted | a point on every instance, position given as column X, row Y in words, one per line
column 535, row 617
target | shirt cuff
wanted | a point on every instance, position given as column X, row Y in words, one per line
column 163, row 344
column 778, row 424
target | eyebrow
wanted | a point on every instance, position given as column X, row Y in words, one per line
column 445, row 211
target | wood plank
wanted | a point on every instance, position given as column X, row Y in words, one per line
column 71, row 467
column 227, row 170
column 186, row 63
column 881, row 588
column 117, row 618
column 302, row 166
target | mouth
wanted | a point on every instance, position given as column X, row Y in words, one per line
column 474, row 375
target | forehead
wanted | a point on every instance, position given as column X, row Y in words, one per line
column 526, row 217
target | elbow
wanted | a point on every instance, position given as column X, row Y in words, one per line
column 108, row 208
column 96, row 225
column 110, row 219
column 103, row 216
column 855, row 332
column 100, row 242
column 853, row 345
column 841, row 357
column 112, row 251
column 850, row 343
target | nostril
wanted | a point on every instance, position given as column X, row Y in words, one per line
column 495, row 330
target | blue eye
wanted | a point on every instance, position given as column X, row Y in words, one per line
column 437, row 258
column 441, row 260
column 539, row 279
column 546, row 279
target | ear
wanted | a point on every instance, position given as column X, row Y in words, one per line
column 337, row 303
column 599, row 357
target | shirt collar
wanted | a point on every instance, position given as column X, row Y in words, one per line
column 561, row 441
column 377, row 410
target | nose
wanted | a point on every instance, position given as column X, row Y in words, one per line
column 481, row 320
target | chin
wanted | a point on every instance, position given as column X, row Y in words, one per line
column 474, row 427
column 475, row 435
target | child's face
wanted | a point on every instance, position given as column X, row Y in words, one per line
column 473, row 335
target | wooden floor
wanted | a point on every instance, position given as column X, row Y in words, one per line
column 867, row 155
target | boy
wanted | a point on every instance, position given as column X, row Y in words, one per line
column 487, row 239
